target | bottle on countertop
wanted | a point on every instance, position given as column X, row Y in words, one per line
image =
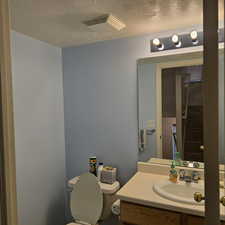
column 93, row 165
column 173, row 173
column 178, row 159
column 99, row 171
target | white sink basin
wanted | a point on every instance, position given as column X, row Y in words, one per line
column 179, row 192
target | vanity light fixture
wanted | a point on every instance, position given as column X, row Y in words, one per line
column 176, row 40
column 173, row 41
column 194, row 37
column 158, row 44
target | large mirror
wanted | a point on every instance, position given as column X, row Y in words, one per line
column 170, row 109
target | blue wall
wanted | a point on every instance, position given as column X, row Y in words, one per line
column 100, row 97
column 39, row 131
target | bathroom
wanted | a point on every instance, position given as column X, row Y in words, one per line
column 80, row 92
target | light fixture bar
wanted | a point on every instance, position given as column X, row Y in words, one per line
column 191, row 39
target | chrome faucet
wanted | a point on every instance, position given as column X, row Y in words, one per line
column 189, row 176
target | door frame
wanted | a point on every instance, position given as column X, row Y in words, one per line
column 210, row 105
column 8, row 207
column 159, row 68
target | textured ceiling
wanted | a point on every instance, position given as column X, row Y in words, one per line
column 60, row 22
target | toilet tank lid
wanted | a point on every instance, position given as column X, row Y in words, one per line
column 106, row 188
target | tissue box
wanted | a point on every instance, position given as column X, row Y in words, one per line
column 108, row 175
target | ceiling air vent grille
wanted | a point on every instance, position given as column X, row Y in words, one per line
column 105, row 23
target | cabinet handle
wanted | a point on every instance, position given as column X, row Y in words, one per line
column 198, row 197
column 222, row 200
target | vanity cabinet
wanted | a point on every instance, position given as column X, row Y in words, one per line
column 134, row 214
column 142, row 215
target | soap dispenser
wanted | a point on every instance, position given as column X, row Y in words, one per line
column 173, row 173
column 177, row 159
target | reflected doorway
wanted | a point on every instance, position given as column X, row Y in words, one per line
column 182, row 113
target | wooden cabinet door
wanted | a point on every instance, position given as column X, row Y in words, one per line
column 141, row 215
column 134, row 214
column 194, row 220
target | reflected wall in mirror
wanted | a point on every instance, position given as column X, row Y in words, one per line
column 170, row 108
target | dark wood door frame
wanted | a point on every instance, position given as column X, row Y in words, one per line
column 210, row 111
column 8, row 200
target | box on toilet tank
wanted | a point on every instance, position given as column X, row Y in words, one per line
column 108, row 175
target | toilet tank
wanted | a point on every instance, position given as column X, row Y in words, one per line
column 109, row 197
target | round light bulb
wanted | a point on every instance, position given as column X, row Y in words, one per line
column 175, row 39
column 194, row 35
column 156, row 42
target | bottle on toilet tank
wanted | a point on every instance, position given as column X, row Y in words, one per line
column 99, row 172
column 93, row 165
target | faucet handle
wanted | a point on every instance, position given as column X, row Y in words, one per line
column 182, row 174
column 195, row 176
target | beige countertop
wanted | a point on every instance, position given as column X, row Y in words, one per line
column 139, row 190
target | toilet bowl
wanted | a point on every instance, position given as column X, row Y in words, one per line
column 90, row 200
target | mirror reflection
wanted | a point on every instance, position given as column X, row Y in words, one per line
column 182, row 113
column 174, row 131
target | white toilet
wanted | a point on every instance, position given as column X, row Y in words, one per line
column 90, row 200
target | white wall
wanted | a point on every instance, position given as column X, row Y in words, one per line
column 39, row 131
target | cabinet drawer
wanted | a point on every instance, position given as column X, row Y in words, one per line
column 142, row 215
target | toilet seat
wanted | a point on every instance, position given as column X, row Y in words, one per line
column 86, row 200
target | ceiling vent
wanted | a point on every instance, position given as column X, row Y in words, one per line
column 106, row 23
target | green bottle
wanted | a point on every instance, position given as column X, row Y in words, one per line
column 177, row 159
